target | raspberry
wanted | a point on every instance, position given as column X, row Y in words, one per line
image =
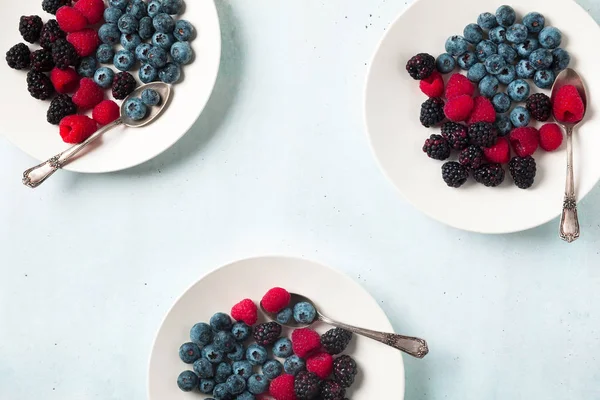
column 275, row 300
column 458, row 85
column 498, row 153
column 304, row 341
column 245, row 311
column 88, row 95
column 433, row 86
column 106, row 112
column 92, row 10
column 321, row 364
column 85, row 42
column 568, row 105
column 459, row 108
column 551, row 137
column 70, row 19
column 524, row 141
column 76, row 128
column 282, row 388
column 64, row 80
column 483, row 111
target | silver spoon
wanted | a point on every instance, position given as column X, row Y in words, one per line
column 410, row 345
column 35, row 176
column 569, row 221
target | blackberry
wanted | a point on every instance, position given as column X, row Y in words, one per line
column 335, row 340
column 52, row 6
column 483, row 134
column 456, row 135
column 539, row 106
column 471, row 157
column 42, row 61
column 344, row 368
column 64, row 54
column 437, row 147
column 39, row 85
column 432, row 112
column 30, row 28
column 332, row 390
column 454, row 174
column 266, row 334
column 51, row 32
column 491, row 175
column 18, row 56
column 421, row 66
column 307, row 385
column 523, row 171
column 123, row 85
column 60, row 107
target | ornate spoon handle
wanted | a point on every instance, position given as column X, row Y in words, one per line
column 569, row 222
column 410, row 345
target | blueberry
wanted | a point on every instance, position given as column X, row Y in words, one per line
column 120, row 4
column 170, row 73
column 544, row 79
column 141, row 51
column 241, row 331
column 507, row 75
column 476, row 72
column 494, row 64
column 498, row 34
column 163, row 23
column 124, row 60
column 206, row 386
column 105, row 53
column 87, row 66
column 525, row 70
column 519, row 117
column 187, row 381
column 220, row 321
column 258, row 384
column 501, row 102
column 485, row 49
column 256, row 354
column 527, row 47
column 145, row 28
column 163, row 40
column 112, row 15
column 284, row 316
column 153, row 8
column 456, row 45
column 224, row 370
column 293, row 364
column 150, row 97
column 467, row 60
column 137, row 8
column 541, row 59
column 210, row 353
column 516, row 33
column 473, row 33
column 518, row 90
column 235, row 384
column 147, row 73
column 242, row 368
column 503, row 125
column 130, row 41
column 104, row 77
column 201, row 334
column 560, row 59
column 109, row 33
column 445, row 63
column 204, row 368
column 550, row 37
column 238, row 352
column 244, row 396
column 507, row 52
column 282, row 348
column 272, row 369
column 172, row 6
column 221, row 392
column 181, row 53
column 488, row 86
column 183, row 30
column 506, row 16
column 136, row 110
column 534, row 22
column 304, row 312
column 127, row 24
column 189, row 352
column 224, row 341
column 487, row 21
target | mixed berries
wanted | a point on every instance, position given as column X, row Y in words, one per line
column 303, row 367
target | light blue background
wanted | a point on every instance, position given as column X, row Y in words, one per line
column 279, row 164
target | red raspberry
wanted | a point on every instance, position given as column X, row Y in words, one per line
column 305, row 341
column 275, row 300
column 459, row 108
column 76, row 128
column 282, row 388
column 498, row 153
column 433, row 86
column 524, row 141
column 106, row 112
column 92, row 10
column 483, row 111
column 245, row 311
column 321, row 364
column 70, row 19
column 64, row 80
column 568, row 105
column 458, row 85
column 551, row 137
column 88, row 95
column 85, row 42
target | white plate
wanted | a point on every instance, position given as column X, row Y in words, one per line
column 393, row 100
column 336, row 295
column 24, row 118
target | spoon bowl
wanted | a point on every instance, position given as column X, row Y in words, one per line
column 295, row 298
column 569, row 77
column 163, row 89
